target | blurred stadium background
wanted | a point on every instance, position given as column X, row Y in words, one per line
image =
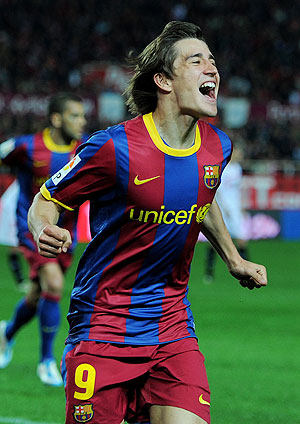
column 53, row 45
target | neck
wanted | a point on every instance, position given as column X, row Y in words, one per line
column 178, row 132
column 58, row 137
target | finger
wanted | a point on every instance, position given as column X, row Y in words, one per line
column 65, row 246
column 49, row 248
column 47, row 253
column 50, row 241
column 256, row 283
column 67, row 241
column 249, row 283
column 54, row 240
column 260, row 276
column 56, row 237
column 243, row 283
column 53, row 233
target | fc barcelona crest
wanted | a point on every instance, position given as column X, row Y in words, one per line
column 211, row 175
column 83, row 413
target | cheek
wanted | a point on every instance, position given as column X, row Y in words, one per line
column 71, row 124
column 69, row 127
column 218, row 82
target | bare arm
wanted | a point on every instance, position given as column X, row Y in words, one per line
column 43, row 215
column 248, row 273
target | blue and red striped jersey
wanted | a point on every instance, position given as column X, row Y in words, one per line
column 36, row 157
column 147, row 204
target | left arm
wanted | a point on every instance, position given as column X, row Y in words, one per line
column 248, row 273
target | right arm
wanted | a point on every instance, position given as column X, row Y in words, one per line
column 43, row 215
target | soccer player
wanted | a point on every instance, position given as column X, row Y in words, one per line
column 8, row 232
column 132, row 352
column 37, row 157
column 229, row 198
column 15, row 265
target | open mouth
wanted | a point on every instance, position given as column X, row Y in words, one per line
column 207, row 89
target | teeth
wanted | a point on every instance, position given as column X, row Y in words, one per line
column 209, row 84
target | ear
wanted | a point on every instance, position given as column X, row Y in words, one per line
column 56, row 120
column 162, row 82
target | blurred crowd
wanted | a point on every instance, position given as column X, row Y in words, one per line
column 44, row 45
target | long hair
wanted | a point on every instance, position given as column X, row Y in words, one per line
column 157, row 57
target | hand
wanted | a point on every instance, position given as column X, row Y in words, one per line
column 249, row 274
column 53, row 240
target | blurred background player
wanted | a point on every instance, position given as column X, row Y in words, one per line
column 15, row 265
column 229, row 198
column 8, row 232
column 37, row 156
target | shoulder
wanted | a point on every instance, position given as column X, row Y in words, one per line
column 102, row 140
column 115, row 133
column 212, row 132
column 212, row 129
column 99, row 138
column 112, row 137
column 14, row 143
column 84, row 138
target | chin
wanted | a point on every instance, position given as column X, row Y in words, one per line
column 203, row 113
column 212, row 113
column 208, row 115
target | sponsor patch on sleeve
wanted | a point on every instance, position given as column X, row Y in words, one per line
column 60, row 175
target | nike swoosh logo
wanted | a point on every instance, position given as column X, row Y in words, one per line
column 39, row 163
column 202, row 401
column 139, row 182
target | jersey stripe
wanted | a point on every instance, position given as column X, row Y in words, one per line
column 225, row 143
column 147, row 292
column 178, row 172
column 115, row 207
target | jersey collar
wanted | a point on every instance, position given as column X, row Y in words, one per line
column 59, row 148
column 157, row 140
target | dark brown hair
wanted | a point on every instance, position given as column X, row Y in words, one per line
column 157, row 57
column 57, row 103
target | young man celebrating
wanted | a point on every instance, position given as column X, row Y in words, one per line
column 37, row 157
column 132, row 352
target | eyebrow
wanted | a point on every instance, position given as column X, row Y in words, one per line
column 200, row 55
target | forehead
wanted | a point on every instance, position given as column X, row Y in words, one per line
column 71, row 106
column 191, row 46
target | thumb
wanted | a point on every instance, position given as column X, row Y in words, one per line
column 260, row 276
column 67, row 241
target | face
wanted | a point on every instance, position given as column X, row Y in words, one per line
column 73, row 120
column 196, row 80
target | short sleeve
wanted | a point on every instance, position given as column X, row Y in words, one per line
column 92, row 171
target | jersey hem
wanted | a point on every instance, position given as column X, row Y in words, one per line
column 77, row 341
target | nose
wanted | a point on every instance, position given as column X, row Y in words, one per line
column 210, row 68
